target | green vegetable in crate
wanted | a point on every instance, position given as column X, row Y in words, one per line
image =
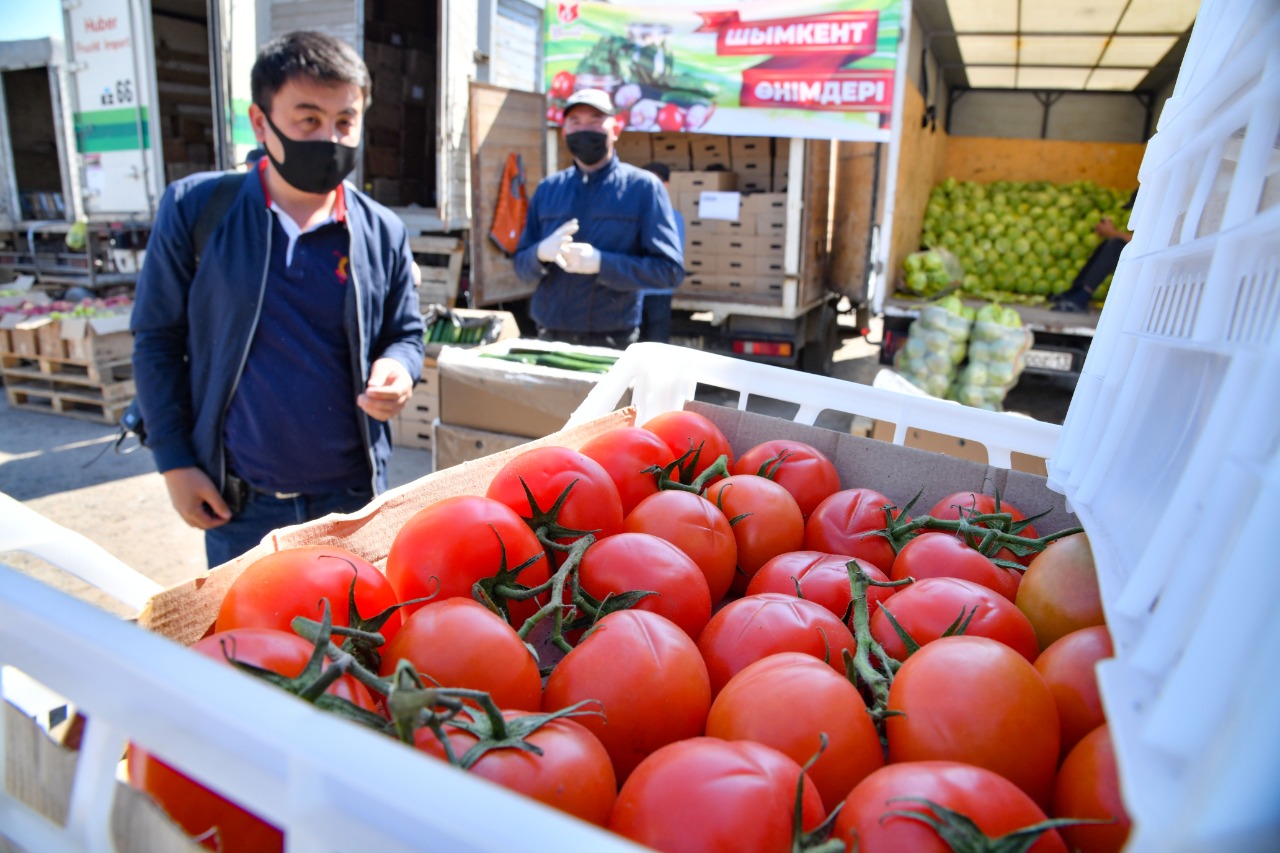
column 930, row 272
column 1019, row 241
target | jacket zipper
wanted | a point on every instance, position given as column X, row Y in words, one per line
column 244, row 357
column 362, row 378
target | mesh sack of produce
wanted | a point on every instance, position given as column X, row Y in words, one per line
column 998, row 343
column 930, row 272
column 936, row 345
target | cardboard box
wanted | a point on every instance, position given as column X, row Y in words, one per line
column 411, row 433
column 768, row 247
column 673, row 150
column 510, row 397
column 756, row 149
column 97, row 339
column 707, row 151
column 765, row 204
column 755, row 177
column 769, row 266
column 635, row 148
column 700, row 261
column 700, row 182
column 781, row 164
column 751, row 288
column 959, row 448
column 452, row 445
column 24, row 333
column 772, row 225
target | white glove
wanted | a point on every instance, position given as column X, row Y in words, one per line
column 551, row 249
column 581, row 258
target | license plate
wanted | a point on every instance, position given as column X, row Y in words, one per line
column 1048, row 360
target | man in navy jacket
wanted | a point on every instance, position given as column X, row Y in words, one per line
column 267, row 368
column 598, row 234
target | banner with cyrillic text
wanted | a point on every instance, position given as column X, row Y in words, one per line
column 817, row 70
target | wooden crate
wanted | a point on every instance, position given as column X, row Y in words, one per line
column 439, row 282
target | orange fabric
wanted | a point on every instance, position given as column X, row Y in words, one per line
column 513, row 206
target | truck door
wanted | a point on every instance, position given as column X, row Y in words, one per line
column 503, row 122
column 112, row 87
column 233, row 34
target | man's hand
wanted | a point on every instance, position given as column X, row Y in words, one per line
column 1107, row 230
column 195, row 498
column 552, row 247
column 389, row 388
column 581, row 258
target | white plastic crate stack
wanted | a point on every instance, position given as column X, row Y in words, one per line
column 1169, row 453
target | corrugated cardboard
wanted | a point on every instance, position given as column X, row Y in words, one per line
column 508, row 397
column 452, row 445
column 97, row 339
column 698, row 182
column 507, row 329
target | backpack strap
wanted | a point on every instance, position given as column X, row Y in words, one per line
column 224, row 192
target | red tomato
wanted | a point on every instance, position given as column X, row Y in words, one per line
column 671, row 118
column 749, row 629
column 948, row 509
column 625, row 453
column 706, row 795
column 694, row 525
column 199, row 811
column 551, row 114
column 1068, row 667
column 974, row 700
column 446, row 547
column 459, row 643
column 1059, row 591
column 822, row 578
column 624, row 118
column 592, row 506
column 842, row 522
column 926, row 608
column 683, row 431
column 1088, row 786
column 638, row 561
column 938, row 554
column 759, row 704
column 995, row 804
column 634, row 655
column 769, row 522
column 278, row 587
column 571, row 772
column 801, row 469
column 562, row 84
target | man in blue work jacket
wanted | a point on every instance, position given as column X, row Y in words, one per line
column 598, row 235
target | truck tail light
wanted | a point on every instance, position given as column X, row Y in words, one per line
column 777, row 349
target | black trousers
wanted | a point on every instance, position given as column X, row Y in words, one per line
column 1101, row 264
column 613, row 340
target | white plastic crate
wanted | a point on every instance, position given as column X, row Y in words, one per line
column 1169, row 453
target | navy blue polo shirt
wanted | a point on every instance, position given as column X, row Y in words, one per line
column 293, row 424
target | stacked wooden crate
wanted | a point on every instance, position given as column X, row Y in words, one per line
column 73, row 366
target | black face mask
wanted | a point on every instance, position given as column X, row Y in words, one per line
column 589, row 146
column 313, row 166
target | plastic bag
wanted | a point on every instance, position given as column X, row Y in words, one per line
column 936, row 345
column 930, row 272
column 997, row 350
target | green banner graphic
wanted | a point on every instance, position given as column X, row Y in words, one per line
column 98, row 131
column 820, row 69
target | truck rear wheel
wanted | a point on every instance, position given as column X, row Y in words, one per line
column 818, row 354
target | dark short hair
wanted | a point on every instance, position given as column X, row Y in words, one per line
column 662, row 170
column 315, row 56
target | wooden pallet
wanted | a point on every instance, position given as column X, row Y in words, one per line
column 68, row 369
column 69, row 404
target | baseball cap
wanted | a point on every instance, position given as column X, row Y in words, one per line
column 597, row 98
